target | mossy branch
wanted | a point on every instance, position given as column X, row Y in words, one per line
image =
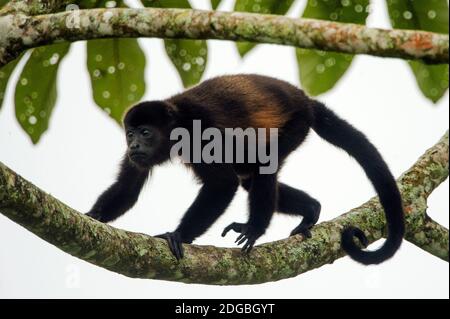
column 19, row 31
column 34, row 7
column 142, row 256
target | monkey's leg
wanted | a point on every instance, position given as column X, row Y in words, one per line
column 296, row 202
column 220, row 185
column 262, row 202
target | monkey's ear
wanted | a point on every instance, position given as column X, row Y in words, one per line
column 172, row 113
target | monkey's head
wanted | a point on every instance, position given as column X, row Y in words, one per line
column 147, row 129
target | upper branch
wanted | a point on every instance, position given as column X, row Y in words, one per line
column 33, row 7
column 20, row 32
column 138, row 255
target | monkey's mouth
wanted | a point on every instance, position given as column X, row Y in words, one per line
column 139, row 157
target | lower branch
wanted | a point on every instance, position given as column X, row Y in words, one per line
column 19, row 32
column 416, row 185
column 142, row 256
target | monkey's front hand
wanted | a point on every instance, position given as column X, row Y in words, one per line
column 175, row 243
column 247, row 232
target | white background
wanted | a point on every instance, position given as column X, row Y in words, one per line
column 77, row 159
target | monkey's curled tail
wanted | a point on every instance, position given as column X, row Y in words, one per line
column 343, row 135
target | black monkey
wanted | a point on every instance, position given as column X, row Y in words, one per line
column 246, row 101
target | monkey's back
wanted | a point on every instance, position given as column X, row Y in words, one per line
column 246, row 100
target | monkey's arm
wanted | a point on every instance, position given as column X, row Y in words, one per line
column 121, row 195
column 220, row 185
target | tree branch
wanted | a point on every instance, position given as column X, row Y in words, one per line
column 34, row 7
column 20, row 32
column 416, row 185
column 142, row 256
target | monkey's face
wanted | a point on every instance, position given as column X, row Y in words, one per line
column 144, row 145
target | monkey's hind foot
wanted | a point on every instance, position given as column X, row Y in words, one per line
column 302, row 230
column 175, row 243
column 248, row 234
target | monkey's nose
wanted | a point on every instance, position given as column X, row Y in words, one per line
column 134, row 146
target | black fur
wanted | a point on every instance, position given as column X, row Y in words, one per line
column 246, row 101
column 121, row 195
column 338, row 132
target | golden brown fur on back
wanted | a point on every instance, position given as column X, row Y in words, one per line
column 243, row 101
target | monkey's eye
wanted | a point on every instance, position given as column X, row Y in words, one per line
column 129, row 134
column 146, row 133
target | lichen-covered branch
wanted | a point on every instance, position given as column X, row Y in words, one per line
column 19, row 32
column 416, row 185
column 33, row 7
column 139, row 255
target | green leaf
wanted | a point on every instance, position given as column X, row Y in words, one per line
column 166, row 3
column 431, row 15
column 116, row 68
column 432, row 79
column 319, row 70
column 279, row 7
column 5, row 73
column 188, row 56
column 36, row 94
column 215, row 4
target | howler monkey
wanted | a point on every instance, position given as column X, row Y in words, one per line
column 246, row 101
